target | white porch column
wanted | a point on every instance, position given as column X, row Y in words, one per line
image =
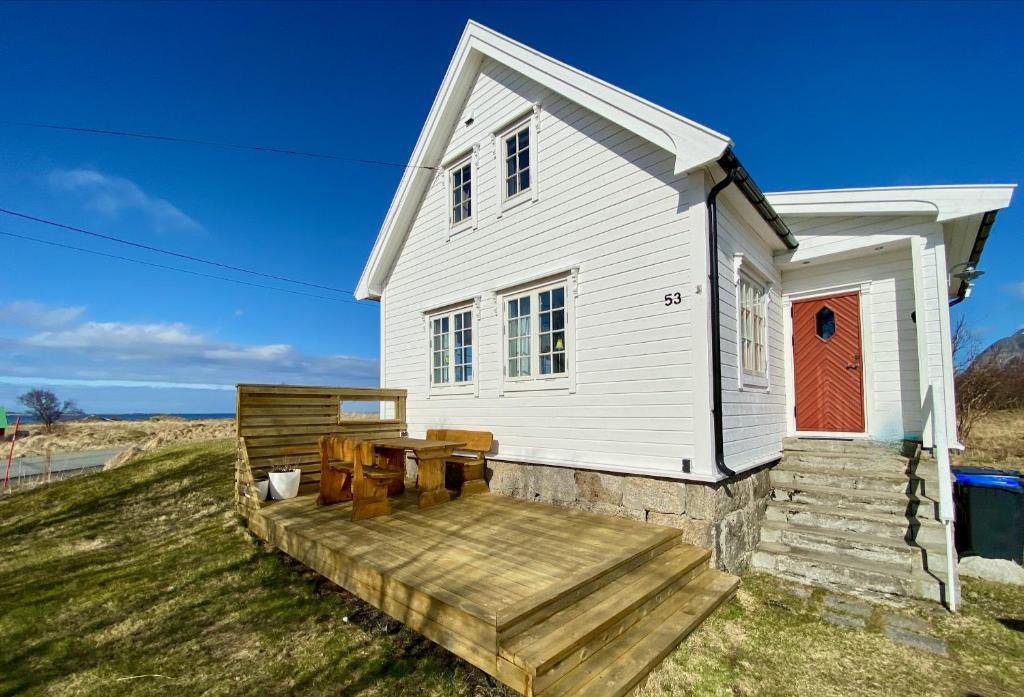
column 917, row 245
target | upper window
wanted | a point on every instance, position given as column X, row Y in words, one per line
column 536, row 338
column 451, row 348
column 752, row 326
column 516, row 150
column 460, row 184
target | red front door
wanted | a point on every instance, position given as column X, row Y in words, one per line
column 827, row 364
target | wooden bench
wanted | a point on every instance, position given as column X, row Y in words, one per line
column 348, row 472
column 465, row 472
column 337, row 463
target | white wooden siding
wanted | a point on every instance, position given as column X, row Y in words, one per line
column 753, row 419
column 608, row 205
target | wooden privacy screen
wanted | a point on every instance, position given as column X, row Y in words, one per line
column 281, row 424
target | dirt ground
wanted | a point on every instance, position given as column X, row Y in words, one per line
column 74, row 436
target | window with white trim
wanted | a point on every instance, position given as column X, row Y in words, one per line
column 460, row 188
column 536, row 333
column 516, row 153
column 753, row 333
column 451, row 348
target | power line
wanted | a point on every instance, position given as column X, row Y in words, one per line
column 175, row 268
column 197, row 141
column 189, row 257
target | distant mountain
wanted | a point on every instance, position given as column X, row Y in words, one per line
column 1009, row 349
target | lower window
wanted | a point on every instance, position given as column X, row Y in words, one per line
column 536, row 336
column 752, row 327
column 451, row 348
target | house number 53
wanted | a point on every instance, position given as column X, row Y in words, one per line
column 673, row 298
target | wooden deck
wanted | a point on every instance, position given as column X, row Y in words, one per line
column 547, row 600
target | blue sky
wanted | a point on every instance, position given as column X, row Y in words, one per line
column 815, row 96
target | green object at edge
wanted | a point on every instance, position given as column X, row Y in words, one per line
column 3, row 418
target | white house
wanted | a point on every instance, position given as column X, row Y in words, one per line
column 600, row 283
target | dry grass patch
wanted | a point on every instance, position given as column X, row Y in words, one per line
column 997, row 440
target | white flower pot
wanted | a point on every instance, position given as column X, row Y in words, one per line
column 262, row 489
column 285, row 485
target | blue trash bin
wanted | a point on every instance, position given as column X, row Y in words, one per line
column 990, row 513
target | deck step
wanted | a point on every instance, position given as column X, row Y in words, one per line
column 556, row 645
column 537, row 608
column 618, row 667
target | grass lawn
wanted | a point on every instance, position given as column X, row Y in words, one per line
column 142, row 581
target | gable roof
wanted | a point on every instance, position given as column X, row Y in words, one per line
column 692, row 144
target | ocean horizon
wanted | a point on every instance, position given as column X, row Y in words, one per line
column 128, row 416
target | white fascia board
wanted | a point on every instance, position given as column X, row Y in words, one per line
column 942, row 202
column 692, row 144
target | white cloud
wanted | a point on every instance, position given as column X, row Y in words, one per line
column 110, row 195
column 117, row 334
column 164, row 356
column 29, row 313
column 271, row 352
column 1015, row 288
column 34, row 381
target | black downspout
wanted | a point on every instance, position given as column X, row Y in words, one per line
column 716, row 324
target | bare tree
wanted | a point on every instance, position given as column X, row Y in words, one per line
column 979, row 379
column 46, row 407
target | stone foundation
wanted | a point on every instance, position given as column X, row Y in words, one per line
column 725, row 518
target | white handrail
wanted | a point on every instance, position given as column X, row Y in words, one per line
column 947, row 512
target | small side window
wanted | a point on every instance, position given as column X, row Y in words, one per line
column 460, row 186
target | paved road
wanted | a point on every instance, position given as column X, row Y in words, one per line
column 35, row 465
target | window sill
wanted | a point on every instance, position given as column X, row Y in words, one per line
column 460, row 228
column 754, row 383
column 469, row 389
column 537, row 385
column 518, row 201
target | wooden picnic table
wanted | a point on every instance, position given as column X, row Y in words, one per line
column 431, row 454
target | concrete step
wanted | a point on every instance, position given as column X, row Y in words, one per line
column 868, row 462
column 924, row 531
column 848, row 477
column 623, row 663
column 857, row 463
column 846, row 574
column 871, row 548
column 851, row 447
column 839, row 499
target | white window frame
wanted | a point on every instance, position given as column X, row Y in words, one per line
column 470, row 386
column 469, row 223
column 747, row 273
column 535, row 381
column 531, row 193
